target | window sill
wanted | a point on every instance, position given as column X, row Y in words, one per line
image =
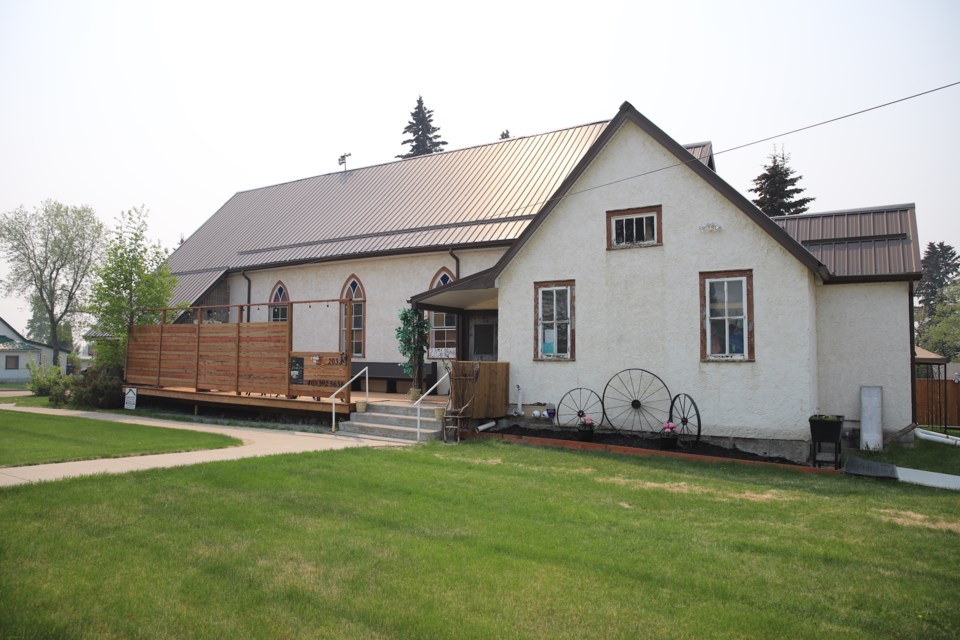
column 641, row 245
column 727, row 360
column 555, row 359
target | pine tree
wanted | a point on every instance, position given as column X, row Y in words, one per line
column 940, row 266
column 425, row 138
column 776, row 188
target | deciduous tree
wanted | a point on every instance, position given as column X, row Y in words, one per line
column 777, row 189
column 51, row 252
column 424, row 137
column 38, row 327
column 940, row 331
column 133, row 276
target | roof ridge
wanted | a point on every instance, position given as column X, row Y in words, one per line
column 429, row 155
column 888, row 207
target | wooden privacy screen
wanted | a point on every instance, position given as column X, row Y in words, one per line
column 251, row 357
column 938, row 402
column 493, row 387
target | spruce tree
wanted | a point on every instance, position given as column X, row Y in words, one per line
column 424, row 137
column 940, row 265
column 776, row 188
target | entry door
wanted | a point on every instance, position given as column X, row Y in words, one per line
column 482, row 336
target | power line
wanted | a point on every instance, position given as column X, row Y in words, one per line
column 768, row 138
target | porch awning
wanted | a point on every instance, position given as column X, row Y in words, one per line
column 477, row 292
column 922, row 356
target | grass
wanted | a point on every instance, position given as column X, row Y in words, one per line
column 482, row 540
column 929, row 456
column 27, row 438
column 13, row 386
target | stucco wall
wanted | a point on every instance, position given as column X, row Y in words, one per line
column 640, row 307
column 863, row 340
column 388, row 283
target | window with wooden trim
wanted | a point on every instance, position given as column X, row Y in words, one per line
column 353, row 290
column 726, row 312
column 12, row 362
column 443, row 325
column 641, row 227
column 554, row 305
column 278, row 303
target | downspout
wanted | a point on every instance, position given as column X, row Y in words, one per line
column 457, row 260
column 249, row 285
column 461, row 335
column 913, row 364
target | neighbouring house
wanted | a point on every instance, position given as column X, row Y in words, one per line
column 577, row 254
column 17, row 351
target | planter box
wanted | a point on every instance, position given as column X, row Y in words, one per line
column 826, row 428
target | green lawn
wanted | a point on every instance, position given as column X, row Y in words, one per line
column 13, row 386
column 480, row 540
column 27, row 438
column 929, row 456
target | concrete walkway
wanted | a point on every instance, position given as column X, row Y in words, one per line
column 256, row 442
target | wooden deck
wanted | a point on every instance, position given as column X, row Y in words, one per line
column 256, row 401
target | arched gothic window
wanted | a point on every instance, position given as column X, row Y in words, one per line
column 443, row 326
column 278, row 303
column 353, row 290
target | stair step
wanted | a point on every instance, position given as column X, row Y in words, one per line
column 395, row 419
column 428, row 431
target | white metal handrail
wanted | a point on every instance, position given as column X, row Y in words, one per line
column 333, row 398
column 417, row 403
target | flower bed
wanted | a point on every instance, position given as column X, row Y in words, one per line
column 613, row 441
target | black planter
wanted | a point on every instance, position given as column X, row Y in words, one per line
column 585, row 435
column 668, row 442
column 826, row 428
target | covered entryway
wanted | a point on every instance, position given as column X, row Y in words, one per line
column 481, row 335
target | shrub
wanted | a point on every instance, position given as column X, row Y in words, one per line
column 43, row 377
column 97, row 388
column 61, row 390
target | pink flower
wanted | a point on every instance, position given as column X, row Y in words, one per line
column 587, row 421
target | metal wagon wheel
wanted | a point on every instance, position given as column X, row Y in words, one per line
column 636, row 400
column 685, row 414
column 577, row 404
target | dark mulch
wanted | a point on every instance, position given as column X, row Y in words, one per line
column 638, row 441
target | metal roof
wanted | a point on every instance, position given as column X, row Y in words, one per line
column 877, row 243
column 484, row 195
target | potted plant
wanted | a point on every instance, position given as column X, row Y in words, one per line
column 412, row 335
column 669, row 436
column 585, row 428
column 361, row 406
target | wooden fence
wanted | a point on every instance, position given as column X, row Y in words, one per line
column 246, row 357
column 938, row 402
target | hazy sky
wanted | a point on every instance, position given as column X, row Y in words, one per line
column 179, row 105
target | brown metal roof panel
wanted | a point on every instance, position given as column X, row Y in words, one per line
column 190, row 286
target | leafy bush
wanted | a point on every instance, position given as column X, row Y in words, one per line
column 97, row 388
column 61, row 390
column 43, row 377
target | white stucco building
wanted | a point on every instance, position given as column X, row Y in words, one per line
column 577, row 254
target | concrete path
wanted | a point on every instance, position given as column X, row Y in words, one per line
column 256, row 442
column 929, row 478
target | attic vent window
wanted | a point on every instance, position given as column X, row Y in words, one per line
column 634, row 227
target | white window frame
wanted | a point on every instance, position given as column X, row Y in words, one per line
column 443, row 278
column 744, row 318
column 635, row 216
column 542, row 325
